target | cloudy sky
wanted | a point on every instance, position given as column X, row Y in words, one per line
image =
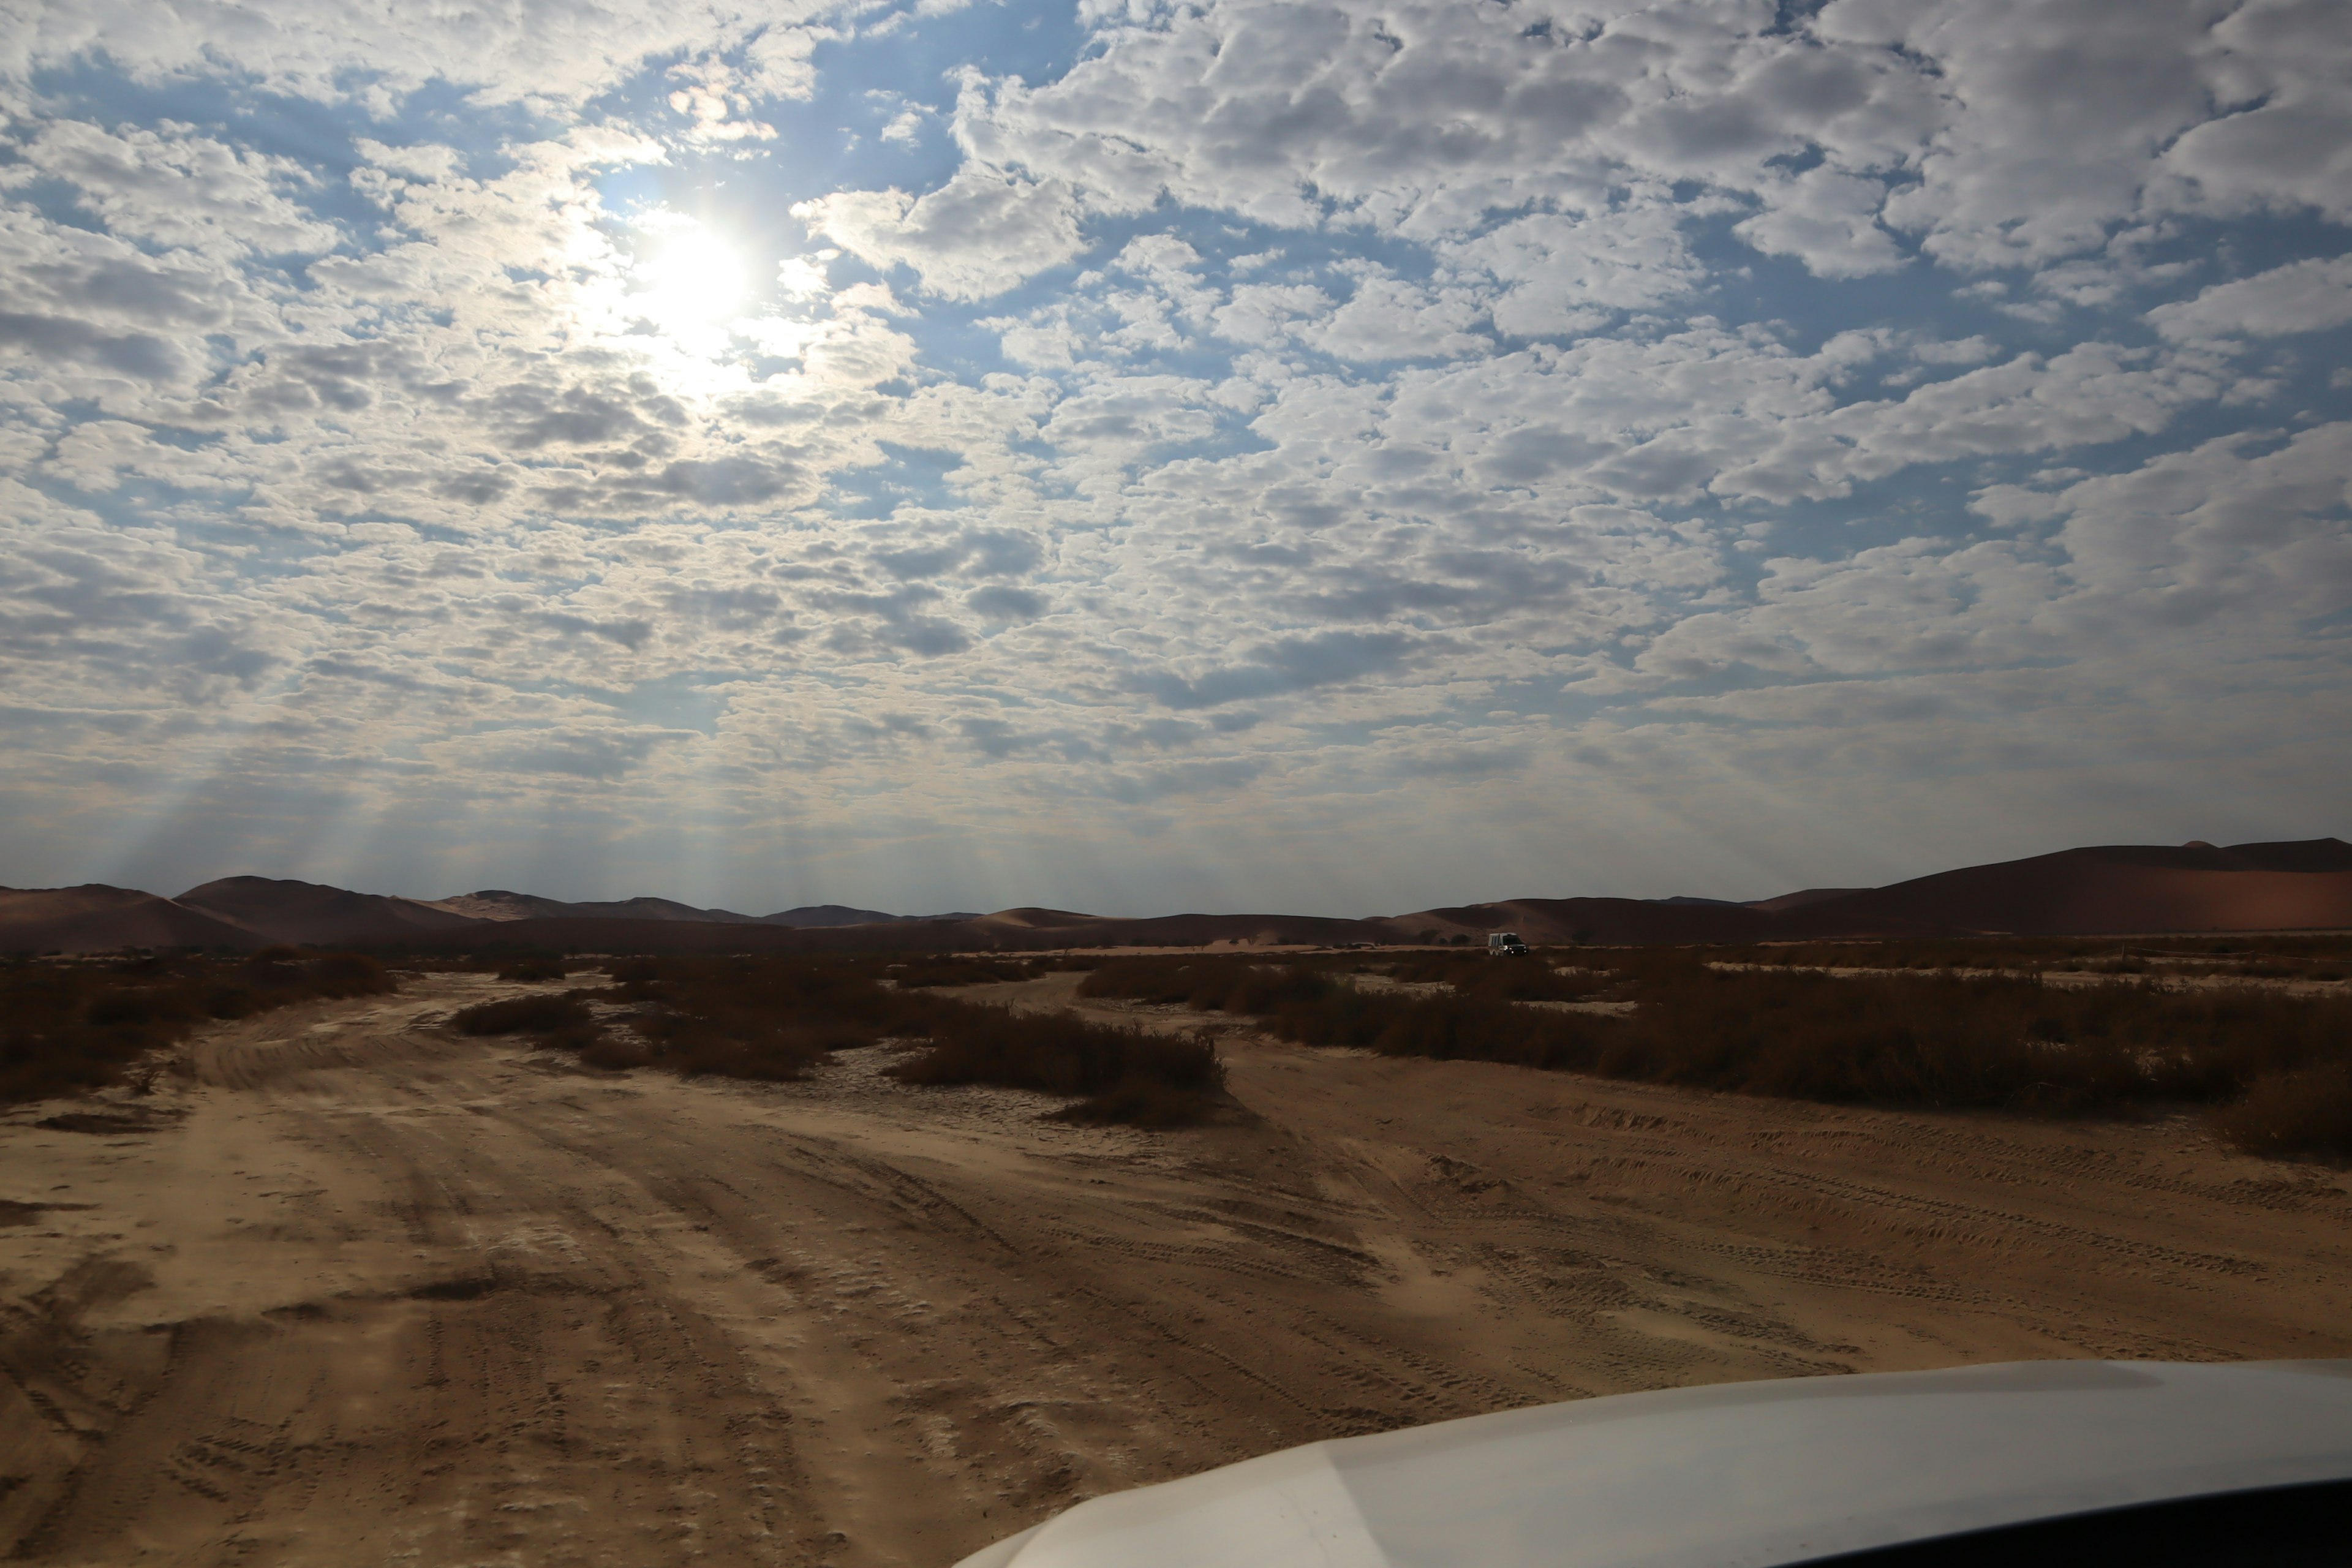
column 1243, row 454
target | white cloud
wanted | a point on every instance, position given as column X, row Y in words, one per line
column 1388, row 319
column 980, row 233
column 1567, row 273
column 2302, row 297
column 1513, row 453
column 1827, row 220
column 560, row 51
column 177, row 192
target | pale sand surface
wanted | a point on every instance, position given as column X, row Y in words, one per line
column 369, row 1293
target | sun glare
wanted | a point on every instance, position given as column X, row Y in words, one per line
column 690, row 282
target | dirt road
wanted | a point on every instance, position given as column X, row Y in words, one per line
column 354, row 1290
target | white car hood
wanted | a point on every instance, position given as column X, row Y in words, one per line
column 1733, row 1476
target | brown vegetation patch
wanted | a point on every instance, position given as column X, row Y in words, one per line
column 774, row 1019
column 67, row 1028
column 1127, row 1075
column 921, row 971
column 1931, row 1037
column 2294, row 1115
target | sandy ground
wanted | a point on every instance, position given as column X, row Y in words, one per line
column 358, row 1292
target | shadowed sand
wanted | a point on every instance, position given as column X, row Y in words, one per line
column 354, row 1289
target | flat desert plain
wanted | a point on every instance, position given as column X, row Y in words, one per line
column 344, row 1288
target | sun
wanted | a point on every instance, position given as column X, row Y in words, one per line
column 690, row 281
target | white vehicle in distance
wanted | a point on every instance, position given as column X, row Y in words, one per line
column 2137, row 1464
column 1505, row 944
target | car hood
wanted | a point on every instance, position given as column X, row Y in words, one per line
column 1732, row 1476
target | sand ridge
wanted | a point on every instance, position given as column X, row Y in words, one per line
column 350, row 1289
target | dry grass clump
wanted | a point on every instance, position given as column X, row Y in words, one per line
column 2311, row 957
column 1526, row 979
column 68, row 1027
column 922, row 971
column 1220, row 983
column 1929, row 1037
column 1308, row 1001
column 543, row 1015
column 1933, row 1039
column 2294, row 1115
column 769, row 1018
column 1447, row 1027
column 1127, row 1075
column 775, row 1018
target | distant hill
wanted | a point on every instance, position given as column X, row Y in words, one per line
column 1801, row 897
column 322, row 916
column 2302, row 885
column 2305, row 884
column 812, row 915
column 95, row 918
column 1605, row 921
column 498, row 904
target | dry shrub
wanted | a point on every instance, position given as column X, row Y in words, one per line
column 1921, row 1038
column 769, row 1018
column 1190, row 981
column 532, row 969
column 547, row 1013
column 1524, row 979
column 1055, row 1053
column 69, row 1027
column 2295, row 1114
column 1944, row 1040
column 1231, row 984
column 617, row 1055
column 562, row 1022
column 922, row 971
column 774, row 1017
column 1445, row 1027
column 1140, row 1102
column 2316, row 956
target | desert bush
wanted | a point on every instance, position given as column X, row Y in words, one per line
column 775, row 1018
column 921, row 971
column 69, row 1027
column 546, row 1013
column 1141, row 1102
column 347, row 974
column 2275, row 957
column 1941, row 1039
column 1529, row 979
column 615, row 1054
column 1446, row 1027
column 1929, row 1037
column 1222, row 984
column 532, row 969
column 1160, row 979
column 2293, row 1114
column 1057, row 1052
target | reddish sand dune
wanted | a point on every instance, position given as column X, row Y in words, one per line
column 1011, row 931
column 1803, row 897
column 498, row 904
column 308, row 913
column 2122, row 887
column 95, row 918
column 1037, row 919
column 2302, row 885
column 1605, row 921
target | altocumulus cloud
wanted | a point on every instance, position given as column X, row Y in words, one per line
column 1332, row 456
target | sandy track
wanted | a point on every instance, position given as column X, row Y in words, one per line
column 364, row 1292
